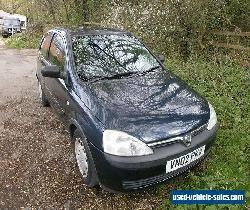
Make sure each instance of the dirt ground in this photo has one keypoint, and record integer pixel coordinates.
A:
(37, 168)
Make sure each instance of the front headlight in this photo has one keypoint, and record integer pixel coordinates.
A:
(213, 118)
(122, 144)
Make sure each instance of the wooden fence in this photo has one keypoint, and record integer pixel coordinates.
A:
(236, 43)
(229, 45)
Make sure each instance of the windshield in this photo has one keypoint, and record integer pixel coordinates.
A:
(14, 22)
(108, 55)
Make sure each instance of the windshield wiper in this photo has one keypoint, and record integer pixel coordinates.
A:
(149, 70)
(115, 76)
(121, 75)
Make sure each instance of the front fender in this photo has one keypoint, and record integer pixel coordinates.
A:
(92, 132)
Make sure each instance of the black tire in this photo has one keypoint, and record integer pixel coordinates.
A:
(43, 99)
(91, 178)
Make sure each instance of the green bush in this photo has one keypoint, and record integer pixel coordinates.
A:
(21, 41)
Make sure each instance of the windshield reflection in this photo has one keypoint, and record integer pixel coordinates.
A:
(108, 55)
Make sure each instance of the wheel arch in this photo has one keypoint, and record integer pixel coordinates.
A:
(90, 133)
(73, 126)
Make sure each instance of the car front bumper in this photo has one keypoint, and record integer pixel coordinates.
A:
(8, 31)
(132, 173)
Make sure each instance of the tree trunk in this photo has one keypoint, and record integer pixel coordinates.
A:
(66, 10)
(85, 10)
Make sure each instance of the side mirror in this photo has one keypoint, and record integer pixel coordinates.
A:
(161, 58)
(52, 71)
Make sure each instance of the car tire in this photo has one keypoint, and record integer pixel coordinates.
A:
(84, 159)
(43, 99)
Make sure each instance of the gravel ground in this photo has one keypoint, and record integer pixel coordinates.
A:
(37, 168)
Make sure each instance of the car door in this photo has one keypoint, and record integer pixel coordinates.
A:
(57, 88)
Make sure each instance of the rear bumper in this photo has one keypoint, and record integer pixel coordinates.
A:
(132, 173)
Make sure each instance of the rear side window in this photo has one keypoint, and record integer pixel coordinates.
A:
(57, 52)
(44, 49)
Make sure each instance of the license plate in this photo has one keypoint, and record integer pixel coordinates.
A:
(184, 160)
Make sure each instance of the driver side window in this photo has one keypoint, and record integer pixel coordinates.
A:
(57, 52)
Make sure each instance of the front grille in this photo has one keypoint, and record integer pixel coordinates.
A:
(178, 138)
(137, 184)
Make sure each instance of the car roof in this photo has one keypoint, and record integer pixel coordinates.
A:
(89, 30)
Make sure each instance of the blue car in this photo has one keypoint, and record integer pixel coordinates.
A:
(132, 122)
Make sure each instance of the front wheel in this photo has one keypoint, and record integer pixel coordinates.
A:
(44, 101)
(84, 160)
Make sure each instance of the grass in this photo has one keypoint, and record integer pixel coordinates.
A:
(22, 41)
(227, 87)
